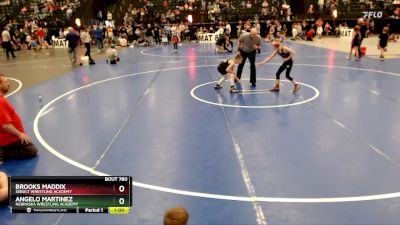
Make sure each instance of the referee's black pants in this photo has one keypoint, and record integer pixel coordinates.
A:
(252, 59)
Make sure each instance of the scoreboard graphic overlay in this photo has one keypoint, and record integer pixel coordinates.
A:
(84, 194)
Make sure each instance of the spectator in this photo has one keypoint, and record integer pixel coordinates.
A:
(228, 29)
(294, 31)
(157, 34)
(310, 34)
(87, 40)
(129, 30)
(99, 37)
(112, 55)
(239, 28)
(300, 32)
(34, 44)
(327, 28)
(221, 44)
(165, 4)
(150, 34)
(319, 24)
(6, 37)
(123, 42)
(73, 42)
(264, 4)
(40, 34)
(100, 16)
(248, 5)
(257, 26)
(109, 16)
(321, 5)
(69, 13)
(175, 41)
(14, 143)
(310, 11)
(176, 216)
(142, 40)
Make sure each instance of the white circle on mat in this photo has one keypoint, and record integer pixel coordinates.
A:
(192, 92)
(17, 89)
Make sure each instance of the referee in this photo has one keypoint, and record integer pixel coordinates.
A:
(247, 45)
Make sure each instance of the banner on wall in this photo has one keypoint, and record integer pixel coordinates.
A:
(60, 43)
(208, 37)
(346, 33)
(372, 14)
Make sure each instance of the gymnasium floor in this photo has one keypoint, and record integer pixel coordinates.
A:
(326, 155)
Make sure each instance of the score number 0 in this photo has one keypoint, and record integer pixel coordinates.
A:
(121, 189)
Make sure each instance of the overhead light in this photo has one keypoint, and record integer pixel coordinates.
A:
(78, 22)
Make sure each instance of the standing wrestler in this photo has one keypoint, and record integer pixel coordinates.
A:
(382, 43)
(355, 43)
(287, 56)
(247, 45)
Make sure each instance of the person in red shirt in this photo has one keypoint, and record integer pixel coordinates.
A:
(175, 40)
(41, 34)
(14, 143)
(310, 34)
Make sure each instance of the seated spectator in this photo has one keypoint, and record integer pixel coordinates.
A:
(3, 188)
(301, 33)
(248, 5)
(176, 216)
(142, 41)
(123, 42)
(112, 55)
(310, 34)
(327, 28)
(34, 45)
(264, 4)
(228, 45)
(310, 11)
(271, 33)
(223, 44)
(14, 143)
(337, 30)
(243, 4)
(294, 31)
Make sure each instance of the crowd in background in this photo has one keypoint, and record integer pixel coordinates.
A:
(36, 34)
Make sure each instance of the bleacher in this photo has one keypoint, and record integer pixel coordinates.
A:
(9, 9)
(22, 10)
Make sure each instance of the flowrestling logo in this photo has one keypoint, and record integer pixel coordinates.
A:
(373, 14)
